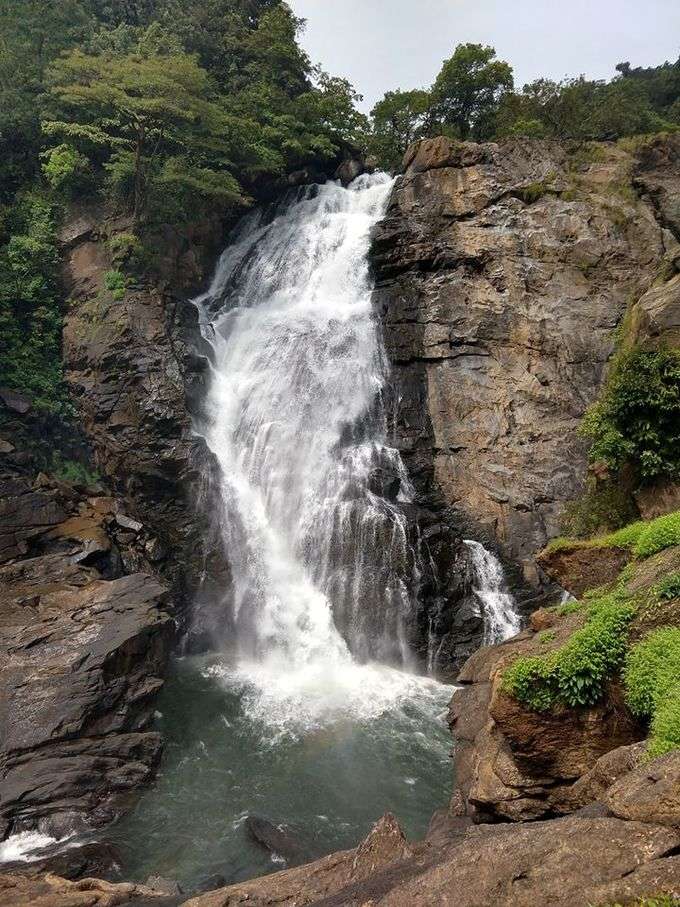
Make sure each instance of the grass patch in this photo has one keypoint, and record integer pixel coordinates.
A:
(575, 675)
(652, 683)
(641, 538)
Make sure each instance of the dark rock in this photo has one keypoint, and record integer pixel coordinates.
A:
(93, 860)
(349, 170)
(210, 884)
(279, 840)
(82, 655)
(18, 403)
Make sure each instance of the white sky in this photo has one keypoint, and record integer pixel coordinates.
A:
(385, 44)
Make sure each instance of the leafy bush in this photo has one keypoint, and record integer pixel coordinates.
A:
(127, 251)
(115, 283)
(652, 683)
(65, 169)
(669, 587)
(72, 471)
(30, 303)
(575, 674)
(637, 421)
(661, 533)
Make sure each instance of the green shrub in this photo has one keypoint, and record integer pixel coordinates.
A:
(127, 251)
(65, 169)
(30, 303)
(115, 283)
(669, 587)
(72, 471)
(661, 533)
(637, 421)
(599, 509)
(575, 675)
(652, 682)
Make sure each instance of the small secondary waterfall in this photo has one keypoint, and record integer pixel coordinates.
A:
(501, 620)
(323, 575)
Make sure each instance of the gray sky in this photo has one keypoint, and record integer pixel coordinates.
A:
(385, 44)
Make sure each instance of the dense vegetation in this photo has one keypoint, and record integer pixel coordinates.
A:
(636, 423)
(576, 673)
(474, 97)
(652, 682)
(153, 107)
(157, 107)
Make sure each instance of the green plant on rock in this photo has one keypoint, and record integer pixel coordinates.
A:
(642, 538)
(127, 251)
(115, 283)
(575, 675)
(72, 471)
(637, 421)
(669, 587)
(652, 682)
(663, 532)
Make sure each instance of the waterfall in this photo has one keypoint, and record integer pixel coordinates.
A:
(323, 575)
(501, 620)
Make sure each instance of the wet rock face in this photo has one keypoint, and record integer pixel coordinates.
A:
(135, 367)
(83, 649)
(502, 272)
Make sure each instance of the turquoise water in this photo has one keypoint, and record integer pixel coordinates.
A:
(331, 777)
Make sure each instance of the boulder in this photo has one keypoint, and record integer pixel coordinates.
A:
(278, 840)
(648, 793)
(578, 568)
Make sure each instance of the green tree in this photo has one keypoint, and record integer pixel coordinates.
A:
(148, 120)
(399, 119)
(468, 89)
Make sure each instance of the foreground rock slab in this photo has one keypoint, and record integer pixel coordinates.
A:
(489, 866)
(52, 891)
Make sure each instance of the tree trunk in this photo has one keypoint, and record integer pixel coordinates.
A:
(139, 176)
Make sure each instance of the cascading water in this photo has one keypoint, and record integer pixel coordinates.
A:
(304, 714)
(323, 576)
(501, 620)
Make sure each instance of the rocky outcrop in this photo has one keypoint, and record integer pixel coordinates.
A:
(134, 367)
(503, 272)
(512, 763)
(576, 567)
(506, 865)
(52, 891)
(83, 649)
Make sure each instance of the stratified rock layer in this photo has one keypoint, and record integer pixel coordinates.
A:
(503, 272)
(134, 368)
(83, 650)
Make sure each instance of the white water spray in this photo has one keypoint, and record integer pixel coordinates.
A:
(323, 575)
(501, 620)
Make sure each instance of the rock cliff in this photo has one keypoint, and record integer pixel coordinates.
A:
(85, 635)
(503, 272)
(134, 367)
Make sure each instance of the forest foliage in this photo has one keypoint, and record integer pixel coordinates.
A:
(474, 97)
(160, 108)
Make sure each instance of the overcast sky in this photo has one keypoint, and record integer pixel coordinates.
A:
(385, 44)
